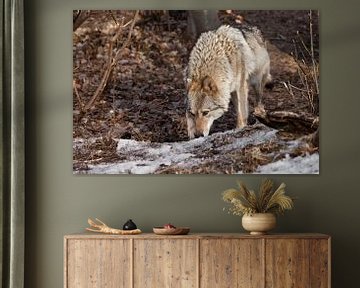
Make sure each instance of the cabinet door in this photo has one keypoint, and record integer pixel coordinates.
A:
(98, 263)
(167, 263)
(297, 263)
(287, 263)
(231, 263)
(320, 263)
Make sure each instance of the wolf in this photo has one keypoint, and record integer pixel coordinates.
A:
(222, 65)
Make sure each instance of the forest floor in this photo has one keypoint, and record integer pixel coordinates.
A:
(138, 125)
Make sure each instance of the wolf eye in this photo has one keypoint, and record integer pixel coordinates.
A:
(205, 113)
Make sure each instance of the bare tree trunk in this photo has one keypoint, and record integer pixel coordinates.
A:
(79, 17)
(200, 21)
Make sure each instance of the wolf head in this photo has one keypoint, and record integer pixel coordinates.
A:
(204, 105)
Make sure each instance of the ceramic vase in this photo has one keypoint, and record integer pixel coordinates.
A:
(259, 223)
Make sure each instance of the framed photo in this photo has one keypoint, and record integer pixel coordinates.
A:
(196, 92)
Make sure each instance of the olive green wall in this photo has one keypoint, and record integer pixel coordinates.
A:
(59, 203)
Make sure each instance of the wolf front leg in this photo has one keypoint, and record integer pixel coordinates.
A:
(240, 100)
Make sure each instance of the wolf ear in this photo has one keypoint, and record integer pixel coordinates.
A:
(208, 85)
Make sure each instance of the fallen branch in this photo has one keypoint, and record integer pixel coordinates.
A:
(101, 227)
(113, 60)
(289, 121)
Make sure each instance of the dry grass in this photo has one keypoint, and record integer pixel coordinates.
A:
(245, 201)
(307, 70)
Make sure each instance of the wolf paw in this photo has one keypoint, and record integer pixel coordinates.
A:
(259, 110)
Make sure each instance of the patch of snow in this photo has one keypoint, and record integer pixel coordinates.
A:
(138, 166)
(147, 157)
(131, 167)
(299, 165)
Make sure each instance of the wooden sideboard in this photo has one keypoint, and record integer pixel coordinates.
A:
(197, 260)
